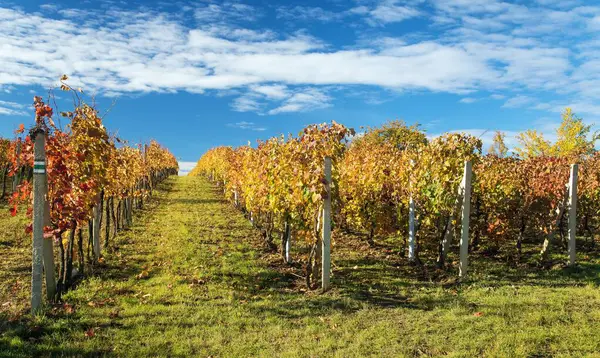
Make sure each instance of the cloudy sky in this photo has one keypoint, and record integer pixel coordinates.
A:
(195, 74)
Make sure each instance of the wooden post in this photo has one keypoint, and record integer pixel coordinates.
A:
(466, 213)
(39, 208)
(326, 242)
(572, 212)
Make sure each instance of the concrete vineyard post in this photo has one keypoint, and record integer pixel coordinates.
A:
(449, 233)
(326, 249)
(572, 212)
(288, 243)
(412, 225)
(39, 208)
(96, 234)
(412, 237)
(466, 213)
(48, 247)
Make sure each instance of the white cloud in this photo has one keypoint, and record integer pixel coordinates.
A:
(594, 23)
(379, 13)
(12, 109)
(468, 100)
(49, 7)
(385, 12)
(308, 13)
(247, 125)
(227, 11)
(246, 103)
(488, 45)
(389, 11)
(186, 167)
(272, 91)
(518, 101)
(308, 100)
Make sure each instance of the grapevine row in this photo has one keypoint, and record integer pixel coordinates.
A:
(94, 180)
(378, 175)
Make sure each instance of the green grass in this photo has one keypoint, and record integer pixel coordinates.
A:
(192, 279)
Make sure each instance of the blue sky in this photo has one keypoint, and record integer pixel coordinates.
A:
(196, 74)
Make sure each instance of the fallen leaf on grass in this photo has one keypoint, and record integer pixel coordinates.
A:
(69, 309)
(197, 281)
(478, 314)
(90, 333)
(143, 274)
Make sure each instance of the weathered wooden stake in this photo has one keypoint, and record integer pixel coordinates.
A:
(466, 213)
(572, 213)
(326, 242)
(39, 207)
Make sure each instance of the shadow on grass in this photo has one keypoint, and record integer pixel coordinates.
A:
(22, 338)
(366, 277)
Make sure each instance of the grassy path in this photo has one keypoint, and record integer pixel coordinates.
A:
(190, 279)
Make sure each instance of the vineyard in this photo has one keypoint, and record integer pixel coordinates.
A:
(72, 183)
(385, 242)
(393, 183)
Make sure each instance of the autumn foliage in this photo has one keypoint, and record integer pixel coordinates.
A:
(515, 198)
(83, 161)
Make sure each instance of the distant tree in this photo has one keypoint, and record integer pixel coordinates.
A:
(397, 133)
(573, 138)
(532, 144)
(498, 147)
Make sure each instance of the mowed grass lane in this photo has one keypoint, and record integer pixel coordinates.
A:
(191, 279)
